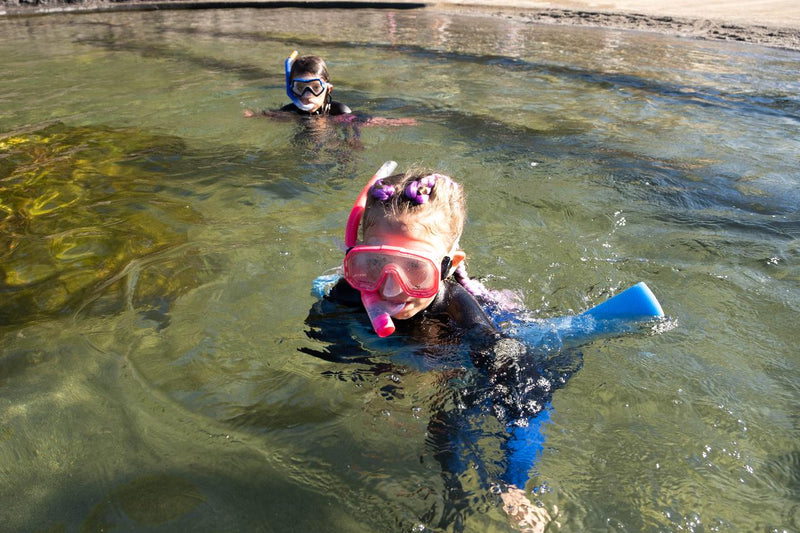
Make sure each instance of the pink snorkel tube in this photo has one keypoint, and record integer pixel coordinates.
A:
(379, 311)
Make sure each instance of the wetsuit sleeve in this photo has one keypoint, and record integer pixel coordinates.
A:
(330, 321)
(338, 108)
(343, 293)
(464, 310)
(517, 391)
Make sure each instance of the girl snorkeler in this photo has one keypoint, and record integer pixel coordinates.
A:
(408, 266)
(310, 90)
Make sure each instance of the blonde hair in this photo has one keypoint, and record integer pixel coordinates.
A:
(440, 208)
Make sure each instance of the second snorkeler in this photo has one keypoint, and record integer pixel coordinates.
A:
(309, 87)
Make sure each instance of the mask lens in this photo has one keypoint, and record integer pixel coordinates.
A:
(366, 269)
(300, 86)
(418, 274)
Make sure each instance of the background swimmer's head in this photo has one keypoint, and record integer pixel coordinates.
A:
(309, 67)
(418, 197)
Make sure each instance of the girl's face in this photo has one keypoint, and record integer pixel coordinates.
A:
(414, 237)
(308, 97)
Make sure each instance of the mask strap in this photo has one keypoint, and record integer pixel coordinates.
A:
(447, 264)
(447, 261)
(354, 220)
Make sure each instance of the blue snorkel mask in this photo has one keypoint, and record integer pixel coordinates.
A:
(304, 85)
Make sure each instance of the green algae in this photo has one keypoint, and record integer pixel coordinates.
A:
(80, 208)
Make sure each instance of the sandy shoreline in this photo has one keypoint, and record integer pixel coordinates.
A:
(762, 31)
(774, 23)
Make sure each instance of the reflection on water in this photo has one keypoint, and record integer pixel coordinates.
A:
(157, 251)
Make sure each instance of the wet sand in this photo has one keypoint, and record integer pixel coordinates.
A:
(774, 23)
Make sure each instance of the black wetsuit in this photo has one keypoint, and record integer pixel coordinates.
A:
(516, 380)
(492, 373)
(329, 108)
(453, 306)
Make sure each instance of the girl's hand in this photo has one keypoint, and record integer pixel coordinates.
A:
(380, 121)
(527, 516)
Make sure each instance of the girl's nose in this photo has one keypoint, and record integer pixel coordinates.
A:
(391, 287)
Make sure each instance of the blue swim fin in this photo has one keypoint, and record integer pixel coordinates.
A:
(635, 303)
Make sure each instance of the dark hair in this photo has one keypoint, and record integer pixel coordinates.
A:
(312, 64)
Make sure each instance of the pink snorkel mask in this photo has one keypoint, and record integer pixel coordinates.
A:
(379, 311)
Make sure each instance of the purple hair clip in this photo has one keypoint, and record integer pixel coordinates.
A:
(381, 191)
(418, 191)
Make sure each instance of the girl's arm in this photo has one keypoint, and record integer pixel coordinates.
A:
(278, 115)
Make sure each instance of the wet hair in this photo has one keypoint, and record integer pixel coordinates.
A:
(312, 65)
(440, 208)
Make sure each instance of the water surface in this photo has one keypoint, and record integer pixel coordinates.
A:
(158, 251)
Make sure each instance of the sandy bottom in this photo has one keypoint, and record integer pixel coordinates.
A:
(774, 23)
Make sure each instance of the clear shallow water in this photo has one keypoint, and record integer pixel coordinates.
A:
(158, 251)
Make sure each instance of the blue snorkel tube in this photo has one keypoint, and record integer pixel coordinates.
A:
(295, 100)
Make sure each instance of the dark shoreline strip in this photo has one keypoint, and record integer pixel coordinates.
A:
(94, 7)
